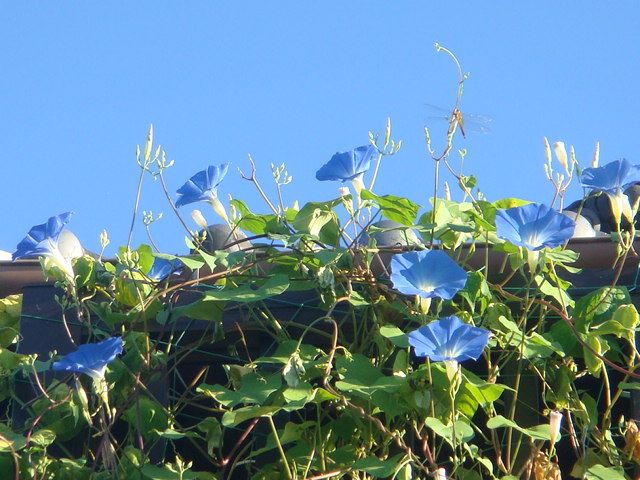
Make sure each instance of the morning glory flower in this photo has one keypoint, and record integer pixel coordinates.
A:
(534, 226)
(449, 340)
(349, 165)
(427, 273)
(50, 240)
(202, 186)
(162, 268)
(613, 179)
(90, 358)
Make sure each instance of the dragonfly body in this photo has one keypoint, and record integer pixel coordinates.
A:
(466, 122)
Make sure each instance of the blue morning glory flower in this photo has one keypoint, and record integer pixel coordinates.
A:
(427, 273)
(449, 340)
(202, 186)
(43, 241)
(534, 226)
(612, 178)
(90, 358)
(162, 268)
(347, 165)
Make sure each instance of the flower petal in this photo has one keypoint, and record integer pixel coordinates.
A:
(347, 165)
(202, 186)
(449, 339)
(90, 358)
(533, 226)
(427, 273)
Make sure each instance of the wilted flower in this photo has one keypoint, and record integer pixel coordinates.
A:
(613, 179)
(162, 268)
(449, 340)
(427, 273)
(50, 240)
(202, 186)
(534, 226)
(349, 165)
(90, 358)
(632, 440)
(544, 468)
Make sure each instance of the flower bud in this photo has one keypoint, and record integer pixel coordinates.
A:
(344, 191)
(197, 217)
(104, 239)
(596, 156)
(218, 207)
(441, 474)
(561, 155)
(555, 421)
(547, 150)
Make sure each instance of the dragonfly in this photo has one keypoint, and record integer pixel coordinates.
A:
(467, 122)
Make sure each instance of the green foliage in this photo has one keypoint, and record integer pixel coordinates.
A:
(291, 357)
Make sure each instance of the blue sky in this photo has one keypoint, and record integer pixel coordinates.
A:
(295, 82)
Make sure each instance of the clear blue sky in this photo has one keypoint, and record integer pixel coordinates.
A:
(295, 82)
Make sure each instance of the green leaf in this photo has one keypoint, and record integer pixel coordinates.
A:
(382, 384)
(313, 216)
(254, 389)
(191, 262)
(172, 434)
(146, 416)
(593, 362)
(627, 316)
(539, 432)
(378, 468)
(598, 306)
(9, 440)
(463, 431)
(210, 426)
(600, 472)
(248, 293)
(43, 437)
(506, 203)
(10, 310)
(236, 417)
(397, 209)
(258, 224)
(395, 335)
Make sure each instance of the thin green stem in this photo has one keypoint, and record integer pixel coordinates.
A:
(283, 456)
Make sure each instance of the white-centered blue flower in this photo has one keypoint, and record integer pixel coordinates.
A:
(203, 186)
(52, 241)
(427, 273)
(449, 339)
(91, 358)
(534, 226)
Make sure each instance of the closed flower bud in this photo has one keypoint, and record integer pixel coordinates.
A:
(547, 150)
(596, 156)
(555, 421)
(104, 239)
(197, 217)
(561, 155)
